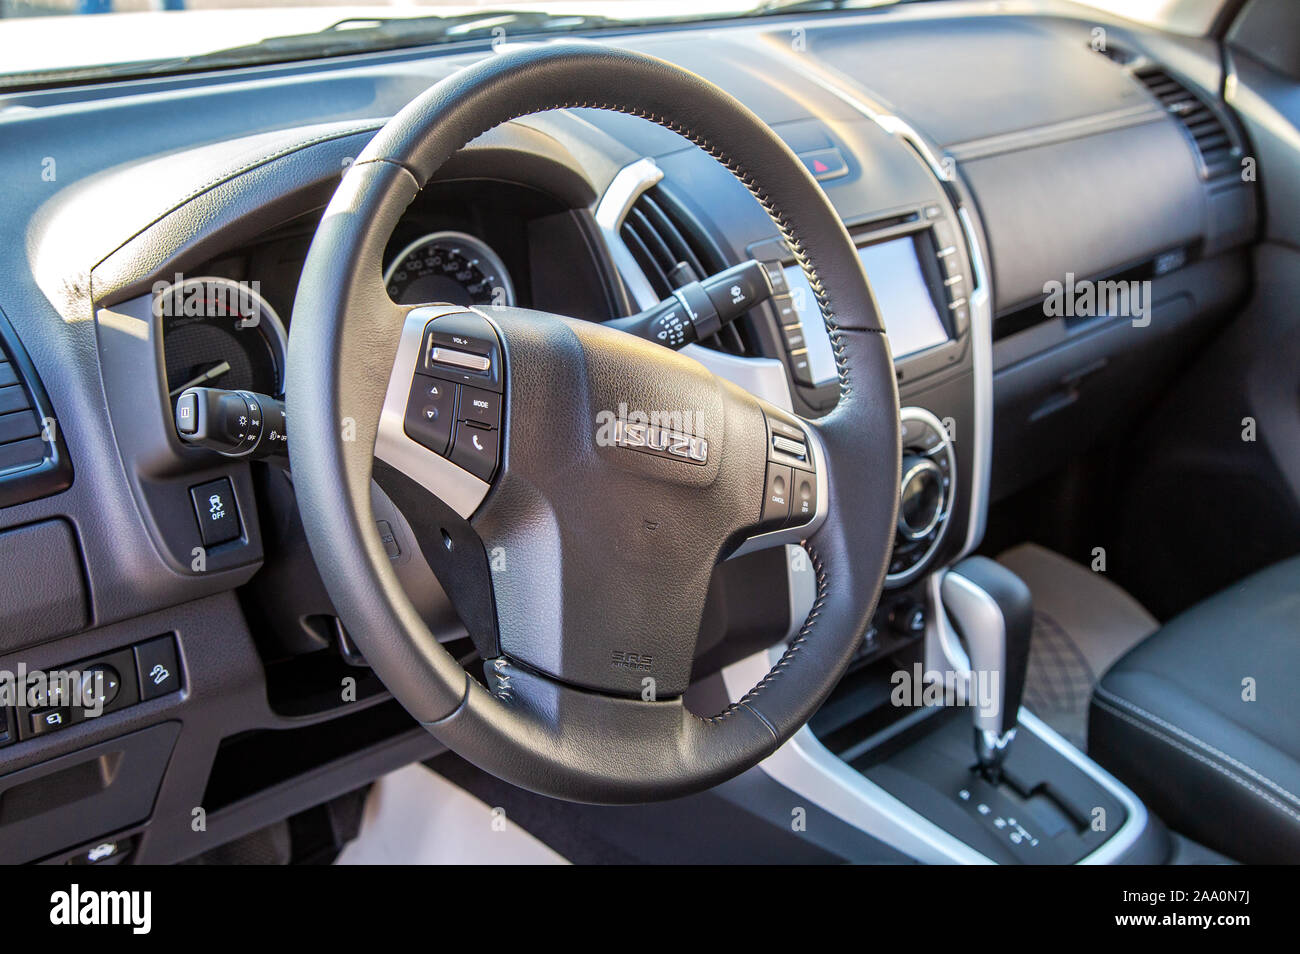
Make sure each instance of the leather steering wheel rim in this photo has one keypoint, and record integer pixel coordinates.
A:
(520, 724)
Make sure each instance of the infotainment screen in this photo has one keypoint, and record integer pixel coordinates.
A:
(906, 305)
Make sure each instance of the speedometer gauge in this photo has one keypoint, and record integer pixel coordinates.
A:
(220, 333)
(449, 267)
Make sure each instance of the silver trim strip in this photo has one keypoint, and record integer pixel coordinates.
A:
(809, 769)
(912, 413)
(458, 489)
(1134, 825)
(459, 359)
(762, 377)
(480, 247)
(981, 313)
(621, 194)
(793, 535)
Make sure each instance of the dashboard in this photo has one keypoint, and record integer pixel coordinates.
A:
(168, 256)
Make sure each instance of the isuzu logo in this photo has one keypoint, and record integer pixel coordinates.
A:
(661, 441)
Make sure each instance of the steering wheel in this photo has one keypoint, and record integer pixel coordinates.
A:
(575, 538)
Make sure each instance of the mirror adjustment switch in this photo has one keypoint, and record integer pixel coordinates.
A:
(50, 720)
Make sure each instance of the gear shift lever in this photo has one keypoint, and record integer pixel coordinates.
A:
(992, 610)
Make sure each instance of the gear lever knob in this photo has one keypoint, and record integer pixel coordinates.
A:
(992, 610)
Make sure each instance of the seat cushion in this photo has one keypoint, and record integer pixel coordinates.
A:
(1202, 719)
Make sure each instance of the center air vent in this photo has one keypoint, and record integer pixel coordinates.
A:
(1214, 143)
(659, 242)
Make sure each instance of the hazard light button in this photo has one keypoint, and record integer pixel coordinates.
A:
(825, 163)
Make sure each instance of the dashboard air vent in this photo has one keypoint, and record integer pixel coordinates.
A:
(1213, 142)
(33, 460)
(659, 242)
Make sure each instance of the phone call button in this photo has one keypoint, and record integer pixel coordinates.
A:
(475, 449)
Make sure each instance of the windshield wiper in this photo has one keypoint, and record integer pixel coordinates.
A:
(351, 35)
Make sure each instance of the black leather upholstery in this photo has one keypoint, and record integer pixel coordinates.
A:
(1202, 719)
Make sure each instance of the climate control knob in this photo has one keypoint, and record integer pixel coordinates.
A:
(921, 499)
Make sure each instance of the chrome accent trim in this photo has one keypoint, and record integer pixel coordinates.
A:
(981, 324)
(458, 489)
(277, 339)
(981, 312)
(943, 648)
(912, 413)
(787, 446)
(806, 767)
(984, 633)
(459, 359)
(481, 247)
(1113, 848)
(809, 769)
(762, 377)
(804, 530)
(906, 529)
(621, 194)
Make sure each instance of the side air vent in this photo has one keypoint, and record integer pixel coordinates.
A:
(659, 242)
(1214, 144)
(33, 459)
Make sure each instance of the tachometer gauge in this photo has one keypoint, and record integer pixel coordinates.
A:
(449, 267)
(220, 333)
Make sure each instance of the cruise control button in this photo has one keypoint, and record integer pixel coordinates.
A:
(475, 449)
(800, 367)
(794, 339)
(803, 500)
(429, 412)
(776, 274)
(776, 495)
(479, 406)
(785, 310)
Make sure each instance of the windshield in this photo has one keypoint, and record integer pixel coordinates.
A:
(48, 42)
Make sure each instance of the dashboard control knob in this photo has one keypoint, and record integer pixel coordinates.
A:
(921, 497)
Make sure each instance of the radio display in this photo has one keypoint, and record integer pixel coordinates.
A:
(907, 305)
